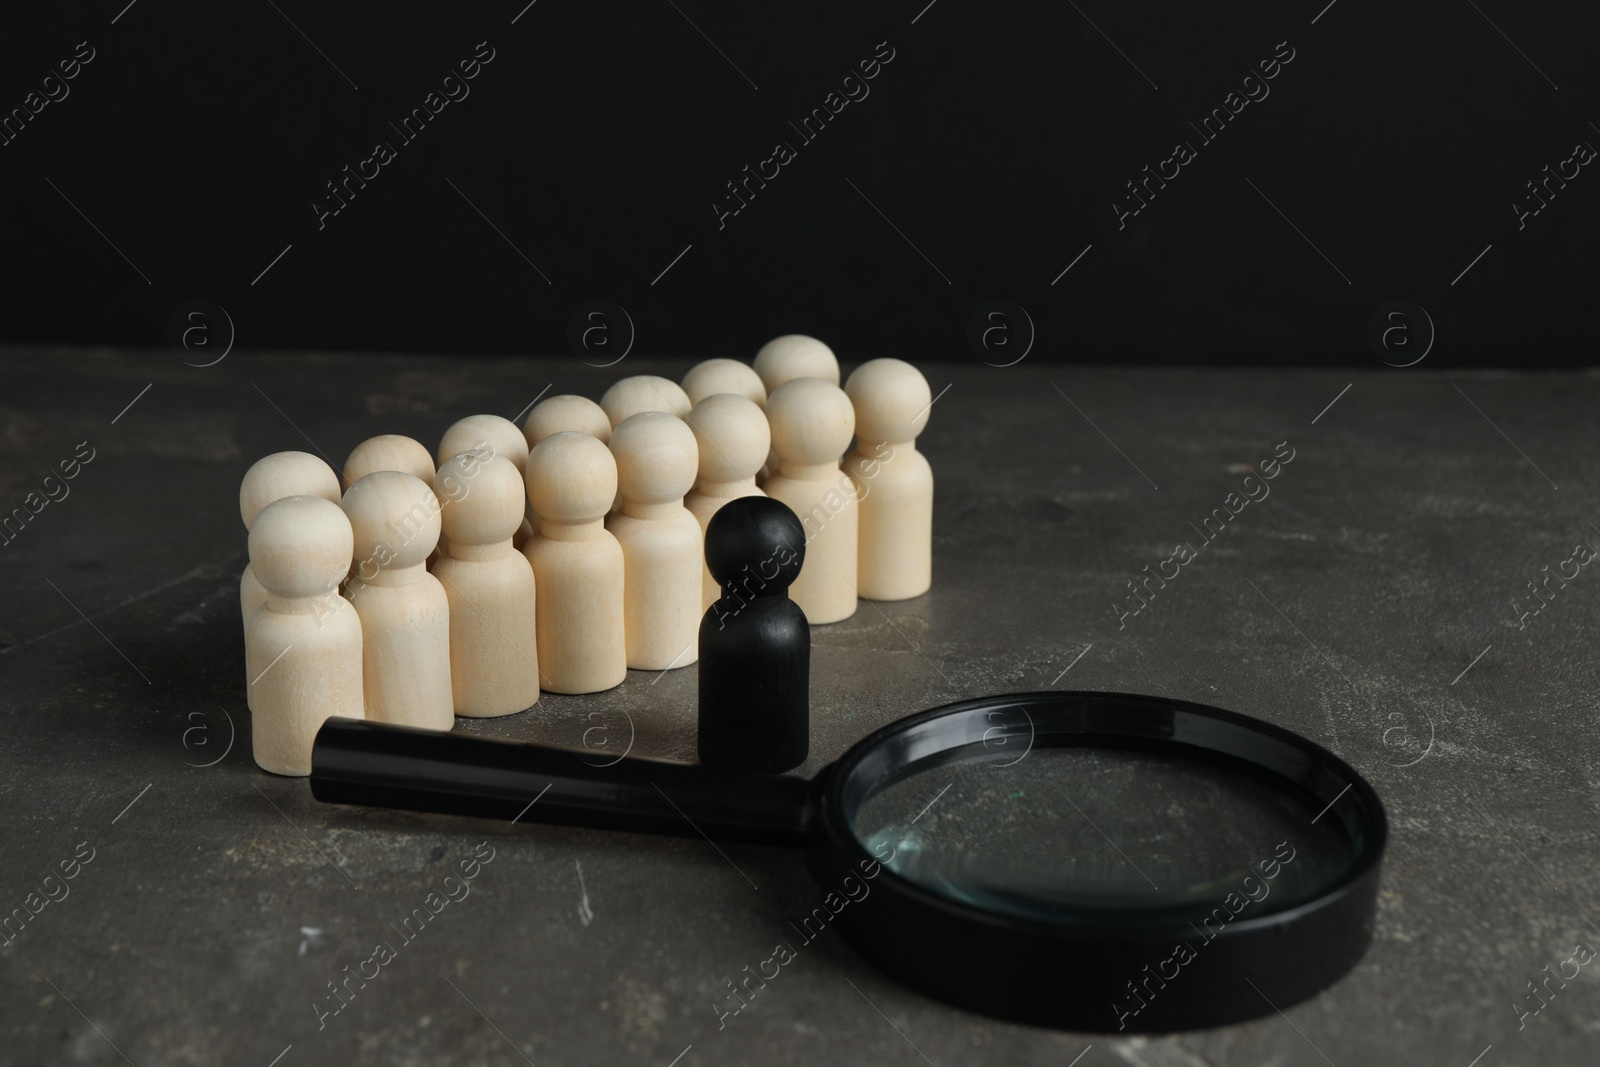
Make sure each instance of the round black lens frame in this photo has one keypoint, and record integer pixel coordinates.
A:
(1118, 975)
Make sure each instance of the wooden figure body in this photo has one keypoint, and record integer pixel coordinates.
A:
(405, 615)
(303, 645)
(494, 655)
(894, 483)
(755, 646)
(577, 565)
(733, 439)
(272, 478)
(656, 459)
(812, 422)
(715, 376)
(644, 392)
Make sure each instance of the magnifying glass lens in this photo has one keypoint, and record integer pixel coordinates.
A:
(1073, 834)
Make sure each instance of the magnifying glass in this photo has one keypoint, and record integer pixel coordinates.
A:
(1075, 860)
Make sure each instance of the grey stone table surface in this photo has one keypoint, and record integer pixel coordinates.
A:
(1377, 601)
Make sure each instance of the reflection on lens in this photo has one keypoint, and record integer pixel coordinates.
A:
(1065, 831)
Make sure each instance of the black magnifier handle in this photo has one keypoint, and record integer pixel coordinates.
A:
(387, 766)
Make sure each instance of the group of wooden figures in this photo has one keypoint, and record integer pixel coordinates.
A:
(558, 555)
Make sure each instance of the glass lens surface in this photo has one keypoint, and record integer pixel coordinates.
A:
(1063, 832)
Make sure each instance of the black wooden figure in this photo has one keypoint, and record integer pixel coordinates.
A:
(755, 646)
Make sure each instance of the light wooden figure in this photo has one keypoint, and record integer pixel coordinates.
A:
(894, 483)
(644, 392)
(405, 615)
(303, 645)
(556, 414)
(661, 542)
(724, 376)
(794, 355)
(783, 359)
(577, 565)
(812, 422)
(389, 452)
(500, 436)
(272, 478)
(494, 656)
(733, 440)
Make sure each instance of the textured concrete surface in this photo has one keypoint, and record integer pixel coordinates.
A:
(1367, 602)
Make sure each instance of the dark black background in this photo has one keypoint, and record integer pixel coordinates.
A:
(996, 141)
